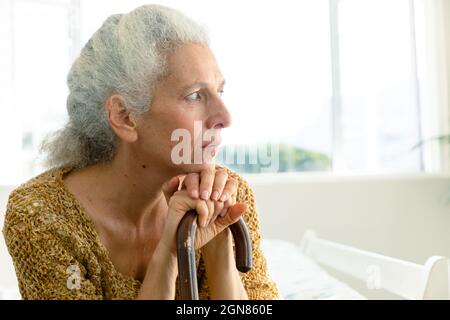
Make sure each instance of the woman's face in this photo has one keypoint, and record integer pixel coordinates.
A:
(186, 113)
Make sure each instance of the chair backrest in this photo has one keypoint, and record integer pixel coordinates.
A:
(406, 279)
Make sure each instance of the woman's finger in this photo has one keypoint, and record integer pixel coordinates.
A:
(230, 188)
(203, 213)
(170, 187)
(231, 201)
(219, 183)
(218, 209)
(191, 182)
(210, 204)
(206, 182)
(224, 211)
(232, 215)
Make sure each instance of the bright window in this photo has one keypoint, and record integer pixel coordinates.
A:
(333, 84)
(379, 105)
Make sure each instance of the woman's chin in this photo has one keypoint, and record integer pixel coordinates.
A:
(206, 160)
(197, 167)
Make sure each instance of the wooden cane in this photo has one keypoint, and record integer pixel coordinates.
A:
(187, 269)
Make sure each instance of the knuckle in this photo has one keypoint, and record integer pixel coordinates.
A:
(173, 200)
(218, 205)
(231, 182)
(192, 178)
(207, 174)
(221, 172)
(177, 194)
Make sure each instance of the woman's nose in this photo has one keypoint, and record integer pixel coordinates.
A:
(220, 116)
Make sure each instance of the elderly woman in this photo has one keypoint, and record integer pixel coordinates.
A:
(101, 222)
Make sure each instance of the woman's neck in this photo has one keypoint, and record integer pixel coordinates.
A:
(130, 191)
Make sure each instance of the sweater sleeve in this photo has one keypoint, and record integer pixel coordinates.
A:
(45, 267)
(257, 281)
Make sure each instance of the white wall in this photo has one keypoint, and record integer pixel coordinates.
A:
(407, 217)
(401, 216)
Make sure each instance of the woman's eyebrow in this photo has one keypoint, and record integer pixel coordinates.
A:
(201, 85)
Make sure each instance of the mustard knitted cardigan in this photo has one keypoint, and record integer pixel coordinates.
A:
(57, 253)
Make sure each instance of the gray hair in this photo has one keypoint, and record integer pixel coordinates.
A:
(125, 56)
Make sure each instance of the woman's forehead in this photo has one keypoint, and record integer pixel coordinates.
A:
(191, 64)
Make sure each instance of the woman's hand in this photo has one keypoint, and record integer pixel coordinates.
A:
(212, 184)
(216, 213)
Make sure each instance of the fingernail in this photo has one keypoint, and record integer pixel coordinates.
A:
(223, 197)
(215, 195)
(205, 195)
(194, 194)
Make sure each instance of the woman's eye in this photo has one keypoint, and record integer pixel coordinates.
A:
(194, 96)
(220, 92)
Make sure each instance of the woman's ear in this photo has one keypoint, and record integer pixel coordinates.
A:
(120, 119)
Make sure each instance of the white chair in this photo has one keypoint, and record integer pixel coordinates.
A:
(406, 279)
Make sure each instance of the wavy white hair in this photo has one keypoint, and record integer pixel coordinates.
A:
(125, 56)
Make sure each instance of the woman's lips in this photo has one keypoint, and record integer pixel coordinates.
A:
(212, 149)
(214, 143)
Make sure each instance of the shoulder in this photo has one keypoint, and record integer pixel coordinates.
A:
(34, 203)
(42, 217)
